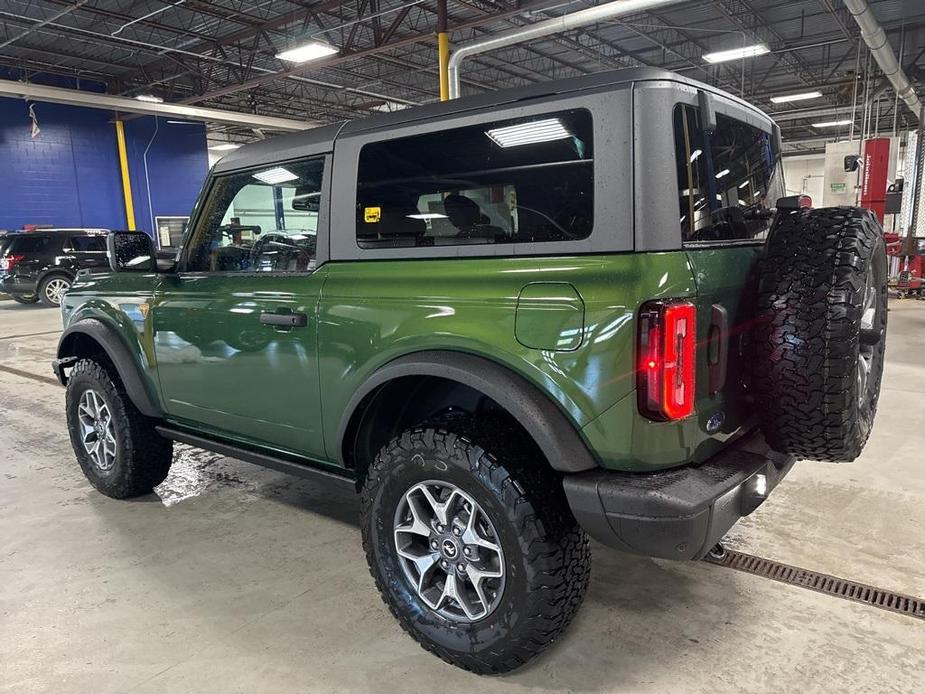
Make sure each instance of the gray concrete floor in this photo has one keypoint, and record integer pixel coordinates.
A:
(237, 579)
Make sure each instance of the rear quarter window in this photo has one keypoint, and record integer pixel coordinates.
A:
(29, 244)
(526, 180)
(727, 180)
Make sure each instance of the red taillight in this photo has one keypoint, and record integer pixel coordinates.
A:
(8, 263)
(667, 344)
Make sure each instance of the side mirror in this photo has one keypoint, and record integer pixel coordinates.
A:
(130, 251)
(852, 162)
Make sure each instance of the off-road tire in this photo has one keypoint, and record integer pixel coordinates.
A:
(24, 298)
(546, 554)
(808, 340)
(44, 293)
(142, 458)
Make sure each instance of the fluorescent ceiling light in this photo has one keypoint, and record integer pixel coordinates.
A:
(545, 130)
(742, 185)
(803, 96)
(274, 176)
(724, 172)
(697, 153)
(150, 98)
(389, 107)
(832, 123)
(225, 147)
(183, 122)
(309, 51)
(736, 53)
(432, 215)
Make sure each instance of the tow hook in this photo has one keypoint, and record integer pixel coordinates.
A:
(59, 365)
(718, 552)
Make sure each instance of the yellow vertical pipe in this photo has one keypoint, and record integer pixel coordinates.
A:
(126, 181)
(443, 50)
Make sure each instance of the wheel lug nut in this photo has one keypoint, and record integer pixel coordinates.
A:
(457, 531)
(444, 564)
(433, 544)
(467, 551)
(440, 528)
(461, 567)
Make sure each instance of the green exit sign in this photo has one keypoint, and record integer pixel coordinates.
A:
(838, 187)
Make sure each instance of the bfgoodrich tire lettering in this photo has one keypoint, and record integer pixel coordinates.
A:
(820, 341)
(142, 457)
(546, 555)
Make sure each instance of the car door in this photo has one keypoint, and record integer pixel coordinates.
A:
(235, 330)
(728, 177)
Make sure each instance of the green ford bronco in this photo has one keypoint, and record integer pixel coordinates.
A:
(513, 321)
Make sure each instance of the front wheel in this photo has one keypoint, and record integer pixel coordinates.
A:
(117, 447)
(473, 547)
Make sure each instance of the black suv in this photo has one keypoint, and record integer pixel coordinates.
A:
(41, 265)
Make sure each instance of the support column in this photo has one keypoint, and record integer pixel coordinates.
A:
(126, 181)
(443, 50)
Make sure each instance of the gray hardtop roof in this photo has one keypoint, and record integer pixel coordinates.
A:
(318, 140)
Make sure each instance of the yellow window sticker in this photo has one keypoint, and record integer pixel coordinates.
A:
(371, 215)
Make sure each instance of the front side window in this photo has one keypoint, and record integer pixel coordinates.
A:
(262, 220)
(88, 244)
(728, 180)
(524, 180)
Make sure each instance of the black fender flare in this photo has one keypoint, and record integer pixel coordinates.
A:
(552, 431)
(119, 353)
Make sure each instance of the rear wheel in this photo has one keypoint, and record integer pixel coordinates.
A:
(821, 337)
(473, 547)
(24, 298)
(53, 288)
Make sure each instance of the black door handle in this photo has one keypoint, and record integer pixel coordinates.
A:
(718, 348)
(284, 320)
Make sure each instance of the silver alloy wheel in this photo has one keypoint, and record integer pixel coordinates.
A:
(870, 335)
(449, 551)
(55, 289)
(96, 430)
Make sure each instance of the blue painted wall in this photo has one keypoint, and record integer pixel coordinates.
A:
(177, 163)
(69, 175)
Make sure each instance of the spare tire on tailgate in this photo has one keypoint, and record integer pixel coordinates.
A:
(820, 336)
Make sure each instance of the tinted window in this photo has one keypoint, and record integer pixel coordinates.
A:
(29, 244)
(513, 181)
(263, 220)
(89, 243)
(727, 180)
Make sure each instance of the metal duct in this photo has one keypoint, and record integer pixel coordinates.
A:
(880, 48)
(76, 97)
(544, 28)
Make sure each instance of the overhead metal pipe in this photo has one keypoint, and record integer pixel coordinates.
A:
(545, 28)
(880, 49)
(108, 102)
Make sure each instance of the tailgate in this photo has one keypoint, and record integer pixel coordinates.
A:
(727, 282)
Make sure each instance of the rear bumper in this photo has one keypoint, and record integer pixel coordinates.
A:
(678, 513)
(11, 284)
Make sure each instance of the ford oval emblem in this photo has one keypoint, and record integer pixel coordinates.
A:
(715, 422)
